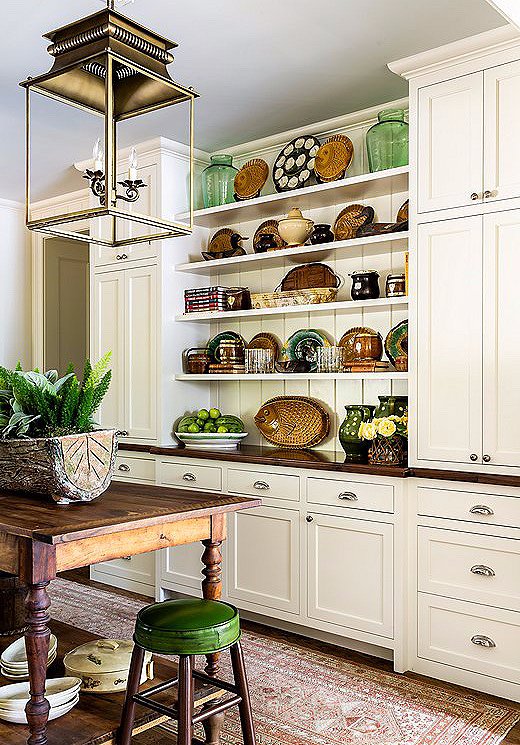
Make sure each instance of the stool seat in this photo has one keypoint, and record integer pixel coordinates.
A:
(187, 627)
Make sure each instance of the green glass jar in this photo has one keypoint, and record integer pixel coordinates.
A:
(391, 406)
(387, 141)
(356, 449)
(218, 181)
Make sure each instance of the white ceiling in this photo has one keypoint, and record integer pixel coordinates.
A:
(260, 67)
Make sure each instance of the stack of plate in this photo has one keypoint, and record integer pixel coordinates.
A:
(211, 440)
(61, 693)
(13, 662)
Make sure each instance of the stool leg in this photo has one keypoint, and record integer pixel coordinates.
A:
(246, 714)
(185, 700)
(128, 714)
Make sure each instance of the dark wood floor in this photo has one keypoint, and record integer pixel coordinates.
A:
(159, 737)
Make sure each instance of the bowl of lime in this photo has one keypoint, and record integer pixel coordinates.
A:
(209, 429)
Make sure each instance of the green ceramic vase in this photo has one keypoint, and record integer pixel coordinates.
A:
(356, 449)
(391, 406)
(387, 141)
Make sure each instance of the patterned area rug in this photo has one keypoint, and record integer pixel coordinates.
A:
(303, 697)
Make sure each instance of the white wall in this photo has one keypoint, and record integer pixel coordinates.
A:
(15, 286)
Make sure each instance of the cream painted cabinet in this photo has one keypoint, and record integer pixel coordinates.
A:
(501, 350)
(501, 141)
(350, 573)
(450, 140)
(449, 333)
(125, 322)
(263, 558)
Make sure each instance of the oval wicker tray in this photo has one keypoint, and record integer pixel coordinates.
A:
(312, 296)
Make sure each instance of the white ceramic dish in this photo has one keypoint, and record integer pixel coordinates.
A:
(21, 673)
(15, 656)
(59, 691)
(103, 665)
(211, 440)
(19, 717)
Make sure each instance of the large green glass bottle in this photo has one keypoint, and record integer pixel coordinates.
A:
(218, 181)
(387, 141)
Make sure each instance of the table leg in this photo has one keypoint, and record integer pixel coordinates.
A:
(37, 638)
(212, 590)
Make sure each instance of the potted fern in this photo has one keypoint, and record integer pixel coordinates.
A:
(49, 441)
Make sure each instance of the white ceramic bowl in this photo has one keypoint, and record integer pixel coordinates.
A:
(211, 440)
(59, 691)
(22, 673)
(15, 656)
(19, 717)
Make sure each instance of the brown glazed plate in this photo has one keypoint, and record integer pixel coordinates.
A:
(349, 337)
(333, 158)
(350, 219)
(265, 340)
(250, 179)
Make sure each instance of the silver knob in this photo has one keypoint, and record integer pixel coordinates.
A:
(122, 433)
(121, 257)
(189, 477)
(488, 194)
(473, 457)
(481, 509)
(309, 518)
(261, 485)
(482, 570)
(483, 641)
(486, 458)
(475, 196)
(349, 496)
(124, 467)
(126, 558)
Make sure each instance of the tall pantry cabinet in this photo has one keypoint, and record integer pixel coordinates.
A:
(465, 306)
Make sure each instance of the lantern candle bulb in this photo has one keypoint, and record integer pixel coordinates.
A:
(98, 155)
(132, 165)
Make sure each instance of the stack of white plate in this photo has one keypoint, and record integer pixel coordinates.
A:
(13, 662)
(61, 693)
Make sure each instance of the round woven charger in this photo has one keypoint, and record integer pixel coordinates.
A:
(333, 158)
(350, 219)
(251, 178)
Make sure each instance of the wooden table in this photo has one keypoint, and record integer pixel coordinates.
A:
(39, 538)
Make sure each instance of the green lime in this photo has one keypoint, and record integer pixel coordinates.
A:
(200, 422)
(209, 427)
(203, 414)
(214, 413)
(193, 428)
(223, 430)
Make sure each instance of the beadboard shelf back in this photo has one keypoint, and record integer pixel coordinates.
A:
(299, 254)
(364, 186)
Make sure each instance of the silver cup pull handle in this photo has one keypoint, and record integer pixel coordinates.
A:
(482, 570)
(189, 477)
(261, 485)
(481, 509)
(483, 641)
(348, 496)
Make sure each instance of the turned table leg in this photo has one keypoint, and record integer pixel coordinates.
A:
(212, 590)
(37, 638)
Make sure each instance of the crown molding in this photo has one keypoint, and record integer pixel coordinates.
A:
(325, 128)
(464, 50)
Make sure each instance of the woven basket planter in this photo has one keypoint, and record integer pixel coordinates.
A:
(387, 451)
(74, 468)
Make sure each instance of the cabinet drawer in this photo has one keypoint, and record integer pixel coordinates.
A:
(189, 475)
(479, 568)
(134, 469)
(492, 509)
(138, 568)
(353, 494)
(469, 636)
(277, 485)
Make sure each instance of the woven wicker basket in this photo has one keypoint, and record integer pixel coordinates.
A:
(387, 451)
(312, 296)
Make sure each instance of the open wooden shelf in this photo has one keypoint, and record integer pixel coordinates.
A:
(276, 259)
(365, 186)
(231, 378)
(345, 305)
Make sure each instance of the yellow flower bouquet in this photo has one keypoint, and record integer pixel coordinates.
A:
(387, 435)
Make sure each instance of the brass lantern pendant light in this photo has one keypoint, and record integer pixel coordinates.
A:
(108, 66)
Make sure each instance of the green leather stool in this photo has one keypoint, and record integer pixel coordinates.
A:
(187, 628)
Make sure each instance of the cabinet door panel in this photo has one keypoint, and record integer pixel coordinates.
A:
(108, 331)
(141, 340)
(350, 567)
(449, 334)
(501, 141)
(501, 348)
(450, 134)
(182, 565)
(263, 558)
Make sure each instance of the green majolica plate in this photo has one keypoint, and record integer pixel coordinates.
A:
(302, 345)
(396, 342)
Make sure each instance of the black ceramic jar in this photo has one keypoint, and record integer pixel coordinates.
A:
(265, 242)
(322, 233)
(365, 285)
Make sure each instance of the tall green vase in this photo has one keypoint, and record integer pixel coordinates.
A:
(391, 406)
(218, 181)
(356, 449)
(387, 141)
